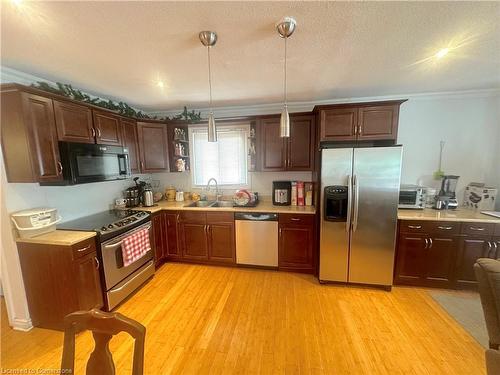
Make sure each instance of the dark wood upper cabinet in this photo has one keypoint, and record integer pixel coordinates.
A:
(130, 141)
(338, 124)
(300, 148)
(108, 128)
(74, 122)
(29, 137)
(375, 121)
(296, 243)
(378, 122)
(295, 153)
(153, 147)
(272, 146)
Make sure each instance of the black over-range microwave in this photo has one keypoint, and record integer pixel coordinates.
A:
(85, 162)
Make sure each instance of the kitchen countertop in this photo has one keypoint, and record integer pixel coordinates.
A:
(59, 237)
(460, 214)
(263, 206)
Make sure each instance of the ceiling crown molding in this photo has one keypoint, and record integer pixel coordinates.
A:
(307, 106)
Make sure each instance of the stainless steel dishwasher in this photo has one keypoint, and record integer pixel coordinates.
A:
(257, 239)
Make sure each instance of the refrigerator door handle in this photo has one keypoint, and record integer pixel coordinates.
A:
(356, 203)
(349, 203)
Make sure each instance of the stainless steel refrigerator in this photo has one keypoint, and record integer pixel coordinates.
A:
(359, 203)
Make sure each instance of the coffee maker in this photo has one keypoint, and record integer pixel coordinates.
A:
(282, 193)
(446, 198)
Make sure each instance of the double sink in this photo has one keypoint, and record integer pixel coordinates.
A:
(215, 204)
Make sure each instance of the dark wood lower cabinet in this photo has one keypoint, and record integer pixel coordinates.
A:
(296, 243)
(221, 237)
(194, 242)
(439, 261)
(159, 243)
(409, 269)
(471, 249)
(59, 279)
(173, 250)
(442, 254)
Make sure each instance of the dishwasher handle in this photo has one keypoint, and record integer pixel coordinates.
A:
(256, 216)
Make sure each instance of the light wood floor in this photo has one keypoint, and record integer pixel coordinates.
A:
(203, 319)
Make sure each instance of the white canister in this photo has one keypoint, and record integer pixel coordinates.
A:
(179, 196)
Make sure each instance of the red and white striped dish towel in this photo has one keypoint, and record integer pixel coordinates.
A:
(135, 246)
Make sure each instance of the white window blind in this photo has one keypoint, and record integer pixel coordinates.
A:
(225, 160)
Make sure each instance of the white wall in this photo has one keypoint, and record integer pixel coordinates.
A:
(470, 126)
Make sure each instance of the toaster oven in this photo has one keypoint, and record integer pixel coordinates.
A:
(412, 196)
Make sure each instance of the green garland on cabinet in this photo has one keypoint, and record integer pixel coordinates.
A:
(121, 107)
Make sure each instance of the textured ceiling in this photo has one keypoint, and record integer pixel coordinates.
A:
(339, 50)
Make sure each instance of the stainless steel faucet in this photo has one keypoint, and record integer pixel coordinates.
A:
(216, 188)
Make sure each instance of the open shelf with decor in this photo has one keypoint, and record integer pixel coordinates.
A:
(178, 139)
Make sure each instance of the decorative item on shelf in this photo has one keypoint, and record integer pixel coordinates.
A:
(179, 134)
(170, 193)
(285, 27)
(180, 164)
(122, 108)
(208, 39)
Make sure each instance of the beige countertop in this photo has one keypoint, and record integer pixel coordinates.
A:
(59, 237)
(263, 206)
(460, 214)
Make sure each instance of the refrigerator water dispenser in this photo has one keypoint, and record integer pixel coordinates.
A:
(336, 203)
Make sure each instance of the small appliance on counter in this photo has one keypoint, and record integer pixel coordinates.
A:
(147, 196)
(35, 221)
(282, 193)
(480, 197)
(446, 199)
(412, 196)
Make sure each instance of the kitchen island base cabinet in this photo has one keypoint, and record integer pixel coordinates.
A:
(296, 243)
(59, 280)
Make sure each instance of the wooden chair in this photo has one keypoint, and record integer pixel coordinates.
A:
(103, 326)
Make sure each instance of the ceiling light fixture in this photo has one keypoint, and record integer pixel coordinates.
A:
(208, 39)
(285, 27)
(442, 53)
(160, 84)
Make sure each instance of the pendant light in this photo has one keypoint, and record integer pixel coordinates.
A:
(285, 27)
(208, 39)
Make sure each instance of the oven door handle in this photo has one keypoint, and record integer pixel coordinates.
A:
(118, 243)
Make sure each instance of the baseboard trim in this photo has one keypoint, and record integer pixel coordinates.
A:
(24, 325)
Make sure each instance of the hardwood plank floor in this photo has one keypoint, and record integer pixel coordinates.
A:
(216, 320)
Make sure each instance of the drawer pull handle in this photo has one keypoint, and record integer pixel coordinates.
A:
(476, 228)
(83, 249)
(444, 228)
(426, 243)
(294, 219)
(415, 226)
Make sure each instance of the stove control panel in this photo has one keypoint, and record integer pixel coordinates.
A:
(131, 218)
